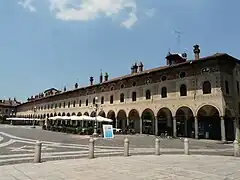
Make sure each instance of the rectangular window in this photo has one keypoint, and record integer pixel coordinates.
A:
(237, 87)
(134, 96)
(111, 99)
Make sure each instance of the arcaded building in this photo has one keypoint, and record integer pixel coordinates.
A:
(8, 108)
(197, 98)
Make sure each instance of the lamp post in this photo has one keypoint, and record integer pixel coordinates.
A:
(95, 106)
(34, 111)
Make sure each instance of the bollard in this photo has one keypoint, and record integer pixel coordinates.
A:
(157, 146)
(236, 148)
(91, 148)
(186, 146)
(38, 149)
(126, 147)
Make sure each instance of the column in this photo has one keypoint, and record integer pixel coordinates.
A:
(196, 127)
(116, 125)
(127, 121)
(236, 128)
(141, 125)
(156, 126)
(174, 127)
(223, 132)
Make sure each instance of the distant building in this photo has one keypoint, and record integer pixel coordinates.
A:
(8, 108)
(193, 98)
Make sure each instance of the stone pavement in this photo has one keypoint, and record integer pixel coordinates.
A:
(163, 167)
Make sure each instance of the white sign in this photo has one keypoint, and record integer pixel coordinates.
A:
(107, 131)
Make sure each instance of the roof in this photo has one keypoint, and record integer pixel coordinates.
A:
(51, 89)
(143, 73)
(9, 103)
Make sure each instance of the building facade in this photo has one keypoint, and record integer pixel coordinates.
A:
(197, 98)
(8, 108)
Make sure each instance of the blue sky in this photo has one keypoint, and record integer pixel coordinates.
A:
(53, 43)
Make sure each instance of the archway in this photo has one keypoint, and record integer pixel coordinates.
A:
(185, 122)
(230, 126)
(209, 124)
(79, 114)
(51, 115)
(59, 114)
(111, 115)
(102, 114)
(165, 123)
(55, 114)
(86, 123)
(73, 114)
(122, 119)
(93, 114)
(147, 122)
(68, 114)
(134, 120)
(86, 114)
(63, 114)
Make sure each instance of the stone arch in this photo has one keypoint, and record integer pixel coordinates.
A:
(51, 115)
(59, 114)
(164, 122)
(211, 106)
(147, 121)
(63, 114)
(68, 114)
(47, 115)
(86, 114)
(79, 114)
(111, 115)
(55, 114)
(41, 116)
(185, 122)
(102, 114)
(209, 122)
(44, 116)
(122, 119)
(134, 120)
(73, 114)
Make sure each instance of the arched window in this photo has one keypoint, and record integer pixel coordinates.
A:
(148, 94)
(60, 105)
(121, 97)
(80, 103)
(164, 92)
(226, 87)
(102, 100)
(183, 90)
(86, 102)
(206, 87)
(69, 104)
(74, 103)
(94, 100)
(64, 104)
(111, 99)
(134, 96)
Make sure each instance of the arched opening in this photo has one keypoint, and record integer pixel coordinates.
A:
(44, 116)
(206, 87)
(79, 114)
(51, 115)
(134, 120)
(148, 121)
(165, 124)
(63, 114)
(148, 94)
(102, 114)
(111, 115)
(121, 97)
(73, 114)
(183, 90)
(229, 125)
(122, 119)
(59, 114)
(185, 122)
(93, 114)
(86, 114)
(55, 114)
(164, 92)
(209, 125)
(68, 114)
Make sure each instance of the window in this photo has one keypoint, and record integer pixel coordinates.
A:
(134, 84)
(226, 87)
(86, 102)
(102, 100)
(182, 74)
(112, 88)
(111, 99)
(183, 90)
(64, 105)
(69, 104)
(134, 96)
(51, 106)
(237, 87)
(60, 105)
(74, 103)
(148, 94)
(45, 107)
(122, 86)
(80, 103)
(94, 100)
(164, 92)
(121, 97)
(55, 105)
(206, 87)
(164, 78)
(48, 106)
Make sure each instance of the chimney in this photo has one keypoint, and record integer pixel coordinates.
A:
(196, 51)
(135, 68)
(65, 88)
(106, 76)
(101, 78)
(132, 69)
(140, 67)
(91, 80)
(76, 85)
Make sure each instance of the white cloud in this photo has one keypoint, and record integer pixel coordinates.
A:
(85, 10)
(28, 5)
